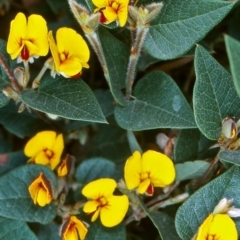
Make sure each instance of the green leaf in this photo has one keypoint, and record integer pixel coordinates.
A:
(98, 232)
(111, 143)
(15, 200)
(233, 51)
(163, 223)
(181, 24)
(133, 143)
(214, 96)
(95, 168)
(71, 99)
(106, 102)
(49, 231)
(13, 229)
(116, 55)
(158, 103)
(230, 157)
(21, 124)
(193, 212)
(186, 145)
(14, 159)
(190, 170)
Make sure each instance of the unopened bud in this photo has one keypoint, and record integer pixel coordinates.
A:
(223, 206)
(9, 92)
(229, 128)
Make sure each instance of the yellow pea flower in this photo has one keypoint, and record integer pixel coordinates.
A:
(111, 209)
(66, 166)
(112, 10)
(70, 53)
(41, 191)
(152, 169)
(45, 148)
(73, 228)
(219, 226)
(27, 39)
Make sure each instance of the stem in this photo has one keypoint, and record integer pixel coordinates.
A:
(38, 79)
(26, 67)
(133, 59)
(7, 70)
(94, 41)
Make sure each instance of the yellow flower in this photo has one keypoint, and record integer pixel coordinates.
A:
(112, 10)
(217, 227)
(45, 148)
(66, 165)
(27, 39)
(111, 209)
(73, 228)
(70, 54)
(152, 169)
(41, 191)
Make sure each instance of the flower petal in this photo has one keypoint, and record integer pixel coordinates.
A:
(54, 51)
(99, 188)
(43, 198)
(37, 33)
(41, 158)
(72, 44)
(90, 206)
(223, 227)
(132, 170)
(110, 14)
(160, 167)
(95, 215)
(57, 151)
(123, 15)
(204, 228)
(70, 67)
(18, 31)
(115, 211)
(100, 3)
(39, 142)
(144, 186)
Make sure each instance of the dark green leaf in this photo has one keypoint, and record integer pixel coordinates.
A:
(233, 50)
(71, 99)
(163, 223)
(214, 96)
(186, 145)
(49, 231)
(98, 232)
(158, 103)
(190, 170)
(15, 200)
(21, 124)
(13, 160)
(116, 55)
(13, 229)
(230, 157)
(95, 168)
(193, 212)
(181, 24)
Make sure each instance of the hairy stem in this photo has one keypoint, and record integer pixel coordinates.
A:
(133, 59)
(14, 82)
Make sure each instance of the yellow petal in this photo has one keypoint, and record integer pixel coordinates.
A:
(43, 197)
(100, 3)
(70, 67)
(114, 212)
(204, 228)
(110, 14)
(41, 158)
(99, 188)
(42, 140)
(57, 151)
(132, 171)
(223, 227)
(54, 51)
(90, 206)
(18, 31)
(71, 234)
(95, 215)
(160, 167)
(123, 15)
(144, 186)
(37, 33)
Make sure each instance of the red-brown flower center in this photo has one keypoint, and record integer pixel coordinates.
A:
(49, 153)
(25, 53)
